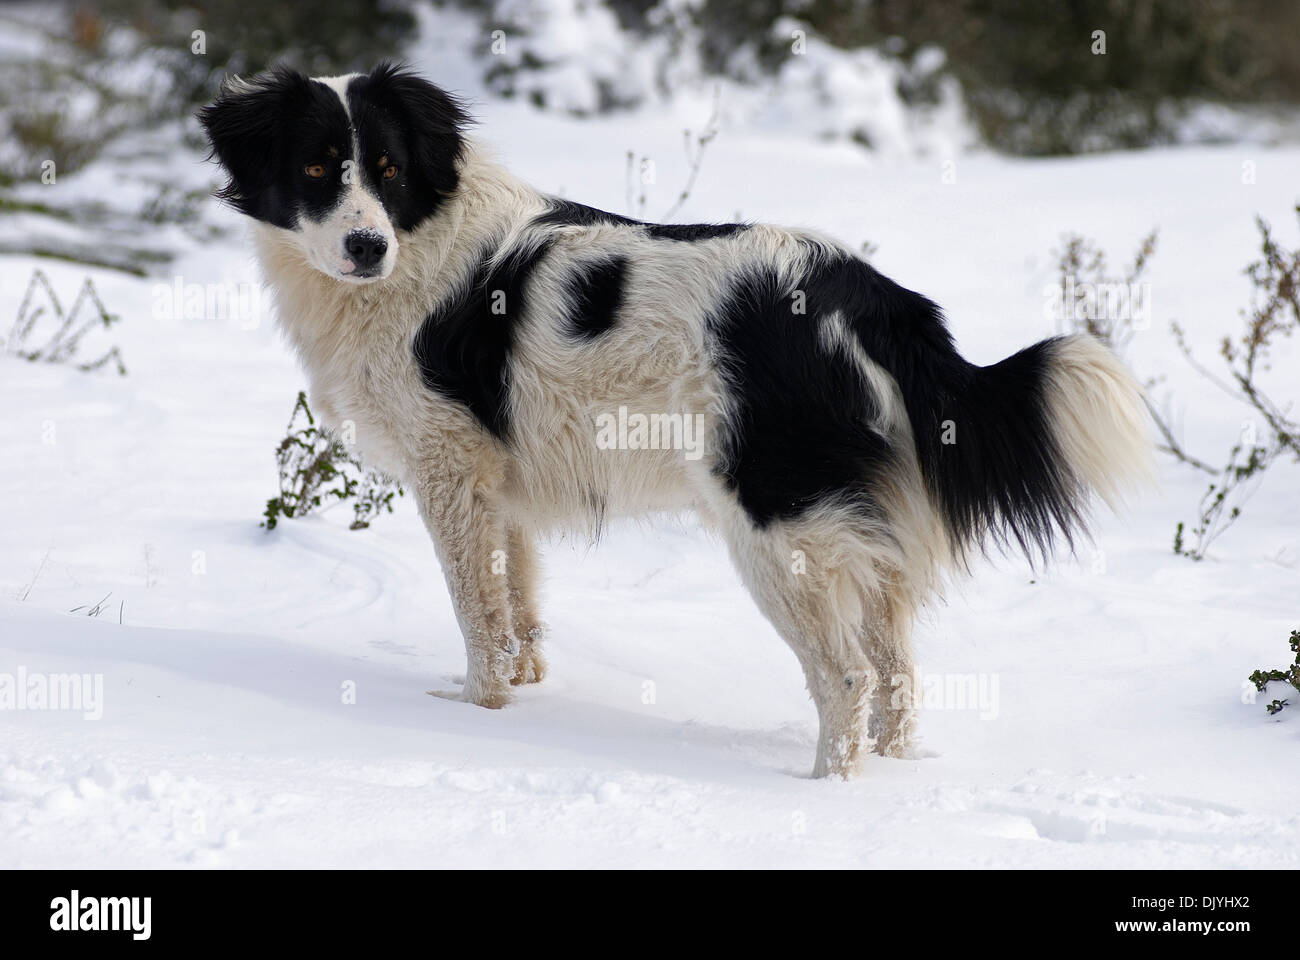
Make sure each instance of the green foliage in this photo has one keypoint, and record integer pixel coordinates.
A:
(1262, 678)
(62, 345)
(1217, 511)
(315, 468)
(374, 496)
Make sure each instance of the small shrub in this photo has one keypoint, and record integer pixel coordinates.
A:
(63, 345)
(1220, 505)
(1081, 269)
(315, 468)
(1274, 313)
(1262, 678)
(374, 496)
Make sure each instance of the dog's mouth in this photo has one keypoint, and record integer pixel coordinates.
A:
(359, 277)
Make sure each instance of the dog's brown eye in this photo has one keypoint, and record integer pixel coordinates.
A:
(390, 171)
(315, 171)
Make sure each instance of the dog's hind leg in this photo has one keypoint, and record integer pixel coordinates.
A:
(886, 638)
(799, 582)
(522, 574)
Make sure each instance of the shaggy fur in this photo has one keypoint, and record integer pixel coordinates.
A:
(846, 452)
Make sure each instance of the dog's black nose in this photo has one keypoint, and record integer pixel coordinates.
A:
(365, 249)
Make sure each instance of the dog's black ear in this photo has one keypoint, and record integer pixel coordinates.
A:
(434, 120)
(245, 128)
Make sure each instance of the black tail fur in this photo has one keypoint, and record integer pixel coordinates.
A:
(983, 435)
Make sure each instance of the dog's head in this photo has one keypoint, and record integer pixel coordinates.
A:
(346, 164)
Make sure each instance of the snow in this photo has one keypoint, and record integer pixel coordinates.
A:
(674, 728)
(570, 57)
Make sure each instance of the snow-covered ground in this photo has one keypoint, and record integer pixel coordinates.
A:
(674, 728)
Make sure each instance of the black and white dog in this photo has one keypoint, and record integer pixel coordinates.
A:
(527, 364)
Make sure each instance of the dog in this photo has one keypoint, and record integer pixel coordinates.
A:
(527, 364)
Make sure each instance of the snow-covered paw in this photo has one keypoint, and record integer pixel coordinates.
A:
(893, 731)
(530, 665)
(907, 749)
(493, 701)
(488, 690)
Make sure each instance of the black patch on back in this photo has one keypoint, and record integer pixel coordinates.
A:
(693, 232)
(594, 293)
(463, 347)
(800, 430)
(568, 213)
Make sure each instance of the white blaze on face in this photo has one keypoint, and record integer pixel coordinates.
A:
(359, 215)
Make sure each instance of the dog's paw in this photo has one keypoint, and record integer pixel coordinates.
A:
(902, 748)
(530, 665)
(492, 696)
(493, 699)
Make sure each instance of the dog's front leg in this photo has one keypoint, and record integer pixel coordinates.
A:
(461, 512)
(530, 665)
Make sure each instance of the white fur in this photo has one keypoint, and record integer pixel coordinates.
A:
(1099, 419)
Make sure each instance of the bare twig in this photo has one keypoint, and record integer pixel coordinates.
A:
(96, 610)
(694, 145)
(695, 152)
(36, 576)
(1171, 445)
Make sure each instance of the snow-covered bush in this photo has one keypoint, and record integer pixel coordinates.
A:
(1262, 678)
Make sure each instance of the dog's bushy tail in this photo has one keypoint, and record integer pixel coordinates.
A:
(1013, 452)
(1022, 445)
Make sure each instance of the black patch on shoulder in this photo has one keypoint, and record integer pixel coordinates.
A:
(568, 213)
(801, 427)
(594, 293)
(463, 347)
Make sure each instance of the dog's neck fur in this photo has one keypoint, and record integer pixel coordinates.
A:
(327, 321)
